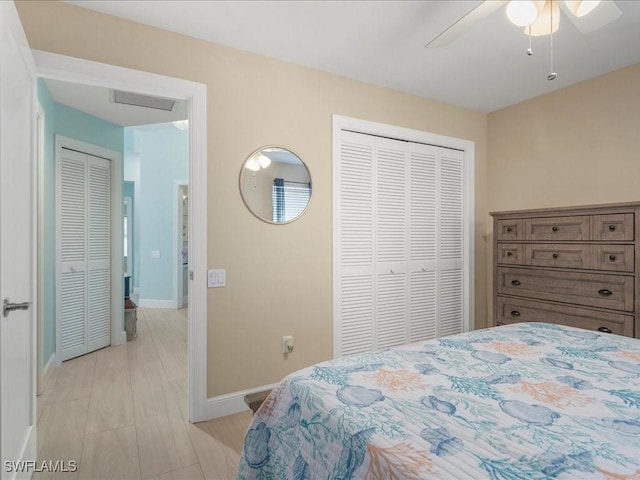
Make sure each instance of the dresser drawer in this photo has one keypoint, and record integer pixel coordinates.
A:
(615, 292)
(510, 230)
(575, 255)
(512, 310)
(616, 258)
(614, 227)
(553, 229)
(511, 254)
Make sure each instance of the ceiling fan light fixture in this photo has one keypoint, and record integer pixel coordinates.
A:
(523, 12)
(580, 8)
(264, 161)
(252, 164)
(542, 25)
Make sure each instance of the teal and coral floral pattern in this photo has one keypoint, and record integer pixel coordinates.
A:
(524, 401)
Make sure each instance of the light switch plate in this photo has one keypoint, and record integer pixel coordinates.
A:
(155, 254)
(216, 278)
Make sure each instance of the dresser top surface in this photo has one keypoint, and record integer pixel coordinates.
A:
(570, 210)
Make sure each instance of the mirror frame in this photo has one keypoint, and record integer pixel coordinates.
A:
(242, 192)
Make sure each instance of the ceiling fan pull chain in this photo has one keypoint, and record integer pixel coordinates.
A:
(553, 75)
(529, 50)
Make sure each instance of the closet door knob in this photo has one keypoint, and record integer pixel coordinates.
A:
(515, 282)
(605, 293)
(554, 228)
(612, 258)
(604, 330)
(612, 228)
(515, 313)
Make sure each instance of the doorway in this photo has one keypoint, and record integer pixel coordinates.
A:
(100, 75)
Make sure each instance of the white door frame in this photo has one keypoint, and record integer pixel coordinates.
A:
(178, 270)
(118, 335)
(76, 70)
(39, 204)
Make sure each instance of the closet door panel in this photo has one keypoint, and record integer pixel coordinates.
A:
(423, 205)
(99, 246)
(355, 297)
(392, 235)
(450, 243)
(72, 265)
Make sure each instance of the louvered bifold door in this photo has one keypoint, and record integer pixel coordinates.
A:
(354, 230)
(450, 242)
(423, 210)
(71, 253)
(83, 296)
(392, 220)
(98, 253)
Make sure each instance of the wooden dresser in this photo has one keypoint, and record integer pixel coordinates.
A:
(574, 266)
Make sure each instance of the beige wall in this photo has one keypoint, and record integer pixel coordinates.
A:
(279, 278)
(575, 146)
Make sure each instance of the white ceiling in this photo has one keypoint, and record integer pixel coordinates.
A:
(382, 42)
(97, 101)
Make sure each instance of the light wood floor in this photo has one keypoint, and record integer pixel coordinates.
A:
(121, 412)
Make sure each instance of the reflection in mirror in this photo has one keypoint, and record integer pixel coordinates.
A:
(275, 185)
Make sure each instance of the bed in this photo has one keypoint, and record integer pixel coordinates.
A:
(522, 401)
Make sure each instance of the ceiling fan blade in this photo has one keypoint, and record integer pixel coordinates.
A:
(606, 12)
(465, 23)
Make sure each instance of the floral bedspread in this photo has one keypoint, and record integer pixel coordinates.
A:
(524, 401)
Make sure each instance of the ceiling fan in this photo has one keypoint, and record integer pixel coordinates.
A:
(534, 15)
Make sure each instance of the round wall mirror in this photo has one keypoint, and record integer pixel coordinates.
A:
(275, 185)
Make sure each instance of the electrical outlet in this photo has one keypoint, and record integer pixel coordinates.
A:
(287, 344)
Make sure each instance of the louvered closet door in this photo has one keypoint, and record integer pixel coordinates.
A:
(400, 243)
(72, 246)
(83, 291)
(98, 253)
(391, 239)
(355, 245)
(423, 245)
(450, 242)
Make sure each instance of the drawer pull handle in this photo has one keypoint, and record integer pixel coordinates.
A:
(515, 282)
(515, 313)
(509, 229)
(554, 228)
(612, 228)
(604, 330)
(612, 258)
(509, 254)
(605, 293)
(555, 255)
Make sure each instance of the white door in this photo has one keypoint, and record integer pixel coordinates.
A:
(17, 328)
(83, 295)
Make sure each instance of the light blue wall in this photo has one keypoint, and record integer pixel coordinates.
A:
(49, 250)
(164, 158)
(63, 120)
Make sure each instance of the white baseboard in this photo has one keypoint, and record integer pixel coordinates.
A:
(50, 363)
(151, 303)
(231, 403)
(120, 339)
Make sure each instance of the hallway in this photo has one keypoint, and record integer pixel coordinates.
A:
(121, 412)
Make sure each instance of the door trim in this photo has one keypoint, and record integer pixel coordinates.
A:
(117, 334)
(70, 69)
